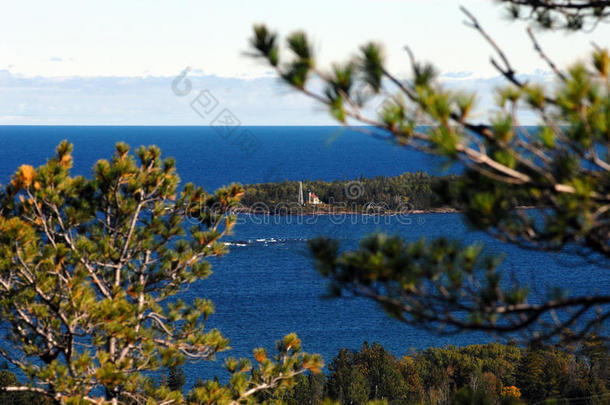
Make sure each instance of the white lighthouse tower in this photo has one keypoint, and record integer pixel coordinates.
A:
(301, 202)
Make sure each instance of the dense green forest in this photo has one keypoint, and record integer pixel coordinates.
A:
(408, 191)
(479, 374)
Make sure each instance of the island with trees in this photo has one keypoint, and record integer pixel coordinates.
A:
(403, 194)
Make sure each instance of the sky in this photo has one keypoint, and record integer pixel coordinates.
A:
(112, 62)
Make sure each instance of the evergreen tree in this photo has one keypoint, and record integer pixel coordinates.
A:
(347, 383)
(89, 273)
(176, 378)
(571, 15)
(531, 377)
(476, 374)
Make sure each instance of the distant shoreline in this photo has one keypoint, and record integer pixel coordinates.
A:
(442, 210)
(408, 193)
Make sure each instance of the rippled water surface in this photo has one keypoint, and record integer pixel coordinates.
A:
(266, 286)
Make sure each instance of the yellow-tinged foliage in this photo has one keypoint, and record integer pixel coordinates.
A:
(511, 392)
(260, 354)
(24, 176)
(66, 160)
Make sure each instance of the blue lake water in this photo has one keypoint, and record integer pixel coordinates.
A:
(268, 287)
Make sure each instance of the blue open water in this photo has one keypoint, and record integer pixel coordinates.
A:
(268, 287)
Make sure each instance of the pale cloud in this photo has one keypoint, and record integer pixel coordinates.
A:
(151, 100)
(457, 75)
(147, 101)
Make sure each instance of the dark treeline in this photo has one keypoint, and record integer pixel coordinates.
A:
(478, 374)
(408, 191)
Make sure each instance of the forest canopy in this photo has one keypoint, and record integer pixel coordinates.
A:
(403, 193)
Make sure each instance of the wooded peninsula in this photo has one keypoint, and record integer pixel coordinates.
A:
(408, 192)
